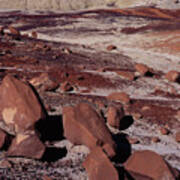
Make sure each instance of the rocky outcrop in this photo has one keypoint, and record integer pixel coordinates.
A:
(83, 125)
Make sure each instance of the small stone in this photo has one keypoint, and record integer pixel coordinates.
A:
(34, 34)
(101, 69)
(127, 75)
(137, 116)
(111, 47)
(133, 140)
(66, 86)
(13, 31)
(178, 136)
(142, 69)
(155, 139)
(119, 96)
(164, 131)
(173, 76)
(145, 108)
(67, 51)
(114, 115)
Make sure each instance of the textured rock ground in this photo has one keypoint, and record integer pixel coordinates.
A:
(71, 51)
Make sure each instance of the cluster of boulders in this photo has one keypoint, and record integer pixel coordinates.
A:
(21, 109)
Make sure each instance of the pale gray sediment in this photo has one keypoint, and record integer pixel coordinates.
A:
(65, 5)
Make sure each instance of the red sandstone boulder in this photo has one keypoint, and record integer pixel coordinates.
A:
(164, 131)
(83, 125)
(150, 164)
(111, 47)
(114, 115)
(142, 69)
(178, 136)
(119, 96)
(98, 166)
(19, 107)
(132, 140)
(26, 145)
(173, 76)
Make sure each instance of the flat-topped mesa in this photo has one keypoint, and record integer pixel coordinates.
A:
(83, 125)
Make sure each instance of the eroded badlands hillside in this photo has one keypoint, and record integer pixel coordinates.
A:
(93, 89)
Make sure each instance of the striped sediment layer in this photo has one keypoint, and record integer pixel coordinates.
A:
(66, 5)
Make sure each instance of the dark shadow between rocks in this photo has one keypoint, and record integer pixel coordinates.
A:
(126, 122)
(8, 142)
(53, 154)
(50, 129)
(39, 99)
(123, 174)
(178, 80)
(123, 148)
(149, 74)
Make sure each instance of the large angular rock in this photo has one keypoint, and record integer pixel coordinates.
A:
(26, 145)
(83, 125)
(19, 107)
(150, 164)
(98, 166)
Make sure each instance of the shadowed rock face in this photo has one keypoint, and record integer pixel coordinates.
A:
(83, 57)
